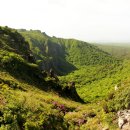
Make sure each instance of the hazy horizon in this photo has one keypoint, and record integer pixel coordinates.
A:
(94, 21)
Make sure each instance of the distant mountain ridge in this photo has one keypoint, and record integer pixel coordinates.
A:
(121, 51)
(64, 55)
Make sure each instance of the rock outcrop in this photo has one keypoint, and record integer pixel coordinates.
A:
(124, 119)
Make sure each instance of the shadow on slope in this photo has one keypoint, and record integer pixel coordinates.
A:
(48, 53)
(15, 59)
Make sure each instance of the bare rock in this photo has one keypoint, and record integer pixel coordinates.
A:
(124, 119)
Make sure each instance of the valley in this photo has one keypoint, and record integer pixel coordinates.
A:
(30, 99)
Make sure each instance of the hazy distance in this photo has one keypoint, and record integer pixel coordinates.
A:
(100, 21)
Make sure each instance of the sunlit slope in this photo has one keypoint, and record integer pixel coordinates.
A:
(30, 101)
(25, 101)
(96, 82)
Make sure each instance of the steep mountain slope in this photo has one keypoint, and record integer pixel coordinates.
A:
(23, 103)
(9, 38)
(31, 101)
(15, 55)
(96, 82)
(64, 55)
(16, 58)
(48, 53)
(24, 107)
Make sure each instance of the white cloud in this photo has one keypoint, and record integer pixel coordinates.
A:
(89, 20)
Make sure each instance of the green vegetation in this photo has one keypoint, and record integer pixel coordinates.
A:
(15, 56)
(119, 50)
(32, 100)
(9, 38)
(96, 82)
(23, 106)
(121, 98)
(64, 55)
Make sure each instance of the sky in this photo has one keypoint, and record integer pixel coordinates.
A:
(88, 20)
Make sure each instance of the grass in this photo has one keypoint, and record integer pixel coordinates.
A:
(32, 108)
(29, 101)
(94, 83)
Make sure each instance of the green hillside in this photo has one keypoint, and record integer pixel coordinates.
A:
(16, 57)
(25, 93)
(118, 50)
(30, 99)
(64, 55)
(96, 82)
